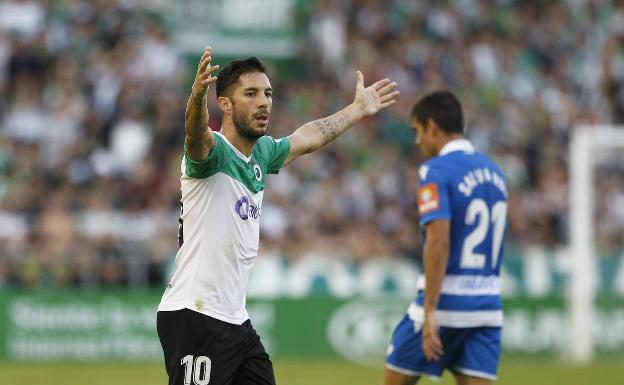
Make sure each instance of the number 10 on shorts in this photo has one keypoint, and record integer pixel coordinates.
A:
(196, 369)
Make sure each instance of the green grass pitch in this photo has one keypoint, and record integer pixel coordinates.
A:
(514, 371)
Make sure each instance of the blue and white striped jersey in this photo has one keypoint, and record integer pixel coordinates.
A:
(468, 189)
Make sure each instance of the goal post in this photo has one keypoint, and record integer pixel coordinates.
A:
(586, 142)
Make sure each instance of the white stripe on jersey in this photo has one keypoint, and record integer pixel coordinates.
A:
(459, 319)
(474, 373)
(467, 285)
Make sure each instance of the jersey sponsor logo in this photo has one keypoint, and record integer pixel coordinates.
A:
(428, 198)
(467, 285)
(246, 210)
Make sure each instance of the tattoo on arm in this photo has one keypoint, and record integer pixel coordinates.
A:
(199, 101)
(315, 134)
(333, 126)
(196, 115)
(327, 129)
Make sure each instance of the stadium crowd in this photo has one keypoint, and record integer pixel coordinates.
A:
(92, 97)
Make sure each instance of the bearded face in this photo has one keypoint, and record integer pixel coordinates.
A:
(251, 105)
(250, 126)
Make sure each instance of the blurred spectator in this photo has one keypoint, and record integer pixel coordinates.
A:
(22, 17)
(91, 129)
(328, 34)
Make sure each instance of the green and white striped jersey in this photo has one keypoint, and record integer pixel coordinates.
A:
(220, 227)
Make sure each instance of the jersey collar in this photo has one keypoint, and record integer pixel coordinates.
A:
(457, 145)
(238, 153)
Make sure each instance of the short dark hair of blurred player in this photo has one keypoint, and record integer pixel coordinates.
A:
(202, 321)
(439, 110)
(455, 321)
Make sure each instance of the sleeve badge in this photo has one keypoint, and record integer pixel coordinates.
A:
(428, 198)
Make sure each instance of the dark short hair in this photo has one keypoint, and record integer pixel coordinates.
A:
(443, 108)
(233, 71)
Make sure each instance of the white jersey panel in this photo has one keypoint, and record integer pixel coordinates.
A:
(221, 219)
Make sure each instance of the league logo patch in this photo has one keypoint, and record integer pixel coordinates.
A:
(428, 198)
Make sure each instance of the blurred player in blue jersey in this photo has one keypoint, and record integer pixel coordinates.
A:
(455, 321)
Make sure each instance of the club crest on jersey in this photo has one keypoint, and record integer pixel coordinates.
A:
(428, 198)
(257, 172)
(246, 209)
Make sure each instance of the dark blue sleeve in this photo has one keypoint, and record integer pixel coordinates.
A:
(433, 195)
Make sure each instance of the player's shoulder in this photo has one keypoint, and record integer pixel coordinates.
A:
(220, 140)
(456, 162)
(268, 140)
(490, 163)
(222, 147)
(439, 162)
(431, 167)
(435, 161)
(266, 144)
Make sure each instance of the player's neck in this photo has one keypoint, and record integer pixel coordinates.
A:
(242, 144)
(446, 140)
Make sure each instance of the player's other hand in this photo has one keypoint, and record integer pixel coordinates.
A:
(432, 346)
(375, 97)
(203, 77)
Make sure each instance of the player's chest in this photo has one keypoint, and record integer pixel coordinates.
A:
(250, 173)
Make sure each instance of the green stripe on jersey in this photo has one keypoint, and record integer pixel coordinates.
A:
(268, 156)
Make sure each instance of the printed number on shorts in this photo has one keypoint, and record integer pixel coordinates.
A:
(478, 208)
(196, 369)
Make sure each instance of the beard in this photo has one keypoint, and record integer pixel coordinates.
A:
(244, 128)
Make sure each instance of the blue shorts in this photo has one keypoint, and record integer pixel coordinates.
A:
(471, 351)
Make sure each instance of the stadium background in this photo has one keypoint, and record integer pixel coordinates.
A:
(92, 96)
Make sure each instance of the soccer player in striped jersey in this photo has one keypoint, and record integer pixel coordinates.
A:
(202, 322)
(455, 321)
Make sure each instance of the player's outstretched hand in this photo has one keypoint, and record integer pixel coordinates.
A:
(204, 77)
(375, 97)
(432, 346)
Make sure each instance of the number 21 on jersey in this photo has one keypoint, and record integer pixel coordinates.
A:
(478, 212)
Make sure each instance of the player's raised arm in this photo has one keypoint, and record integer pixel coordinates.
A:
(199, 138)
(368, 101)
